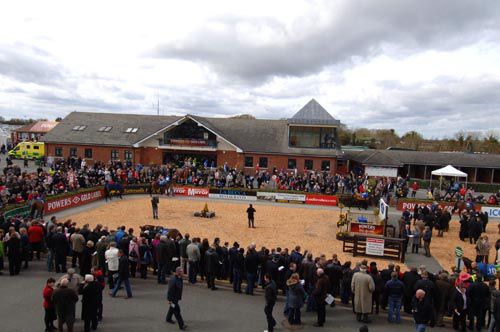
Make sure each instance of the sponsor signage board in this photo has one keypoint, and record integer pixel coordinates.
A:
(73, 200)
(410, 205)
(266, 196)
(290, 198)
(383, 209)
(191, 191)
(22, 211)
(233, 197)
(363, 228)
(492, 211)
(321, 200)
(375, 246)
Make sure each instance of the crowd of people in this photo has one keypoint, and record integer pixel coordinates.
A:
(111, 258)
(417, 226)
(64, 175)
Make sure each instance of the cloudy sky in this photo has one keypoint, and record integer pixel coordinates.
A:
(430, 66)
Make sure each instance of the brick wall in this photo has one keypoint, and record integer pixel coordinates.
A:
(281, 162)
(99, 153)
(232, 158)
(151, 156)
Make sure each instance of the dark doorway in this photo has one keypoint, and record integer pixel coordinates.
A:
(181, 158)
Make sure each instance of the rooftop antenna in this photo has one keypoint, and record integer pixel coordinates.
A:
(158, 104)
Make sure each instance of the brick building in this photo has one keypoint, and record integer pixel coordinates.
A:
(308, 140)
(32, 131)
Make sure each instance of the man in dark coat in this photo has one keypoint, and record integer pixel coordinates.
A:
(60, 246)
(162, 258)
(271, 296)
(334, 273)
(475, 229)
(477, 295)
(251, 266)
(87, 255)
(444, 290)
(250, 212)
(123, 275)
(91, 292)
(174, 295)
(320, 293)
(496, 312)
(65, 299)
(13, 246)
(459, 307)
(154, 204)
(211, 267)
(422, 310)
(385, 275)
(410, 278)
(238, 263)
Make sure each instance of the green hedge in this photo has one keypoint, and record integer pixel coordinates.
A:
(478, 187)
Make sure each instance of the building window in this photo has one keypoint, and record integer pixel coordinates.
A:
(88, 153)
(73, 152)
(340, 163)
(263, 162)
(248, 161)
(128, 155)
(79, 128)
(312, 137)
(309, 164)
(292, 163)
(131, 130)
(105, 129)
(325, 165)
(58, 151)
(114, 154)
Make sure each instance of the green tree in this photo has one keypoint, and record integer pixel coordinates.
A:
(412, 139)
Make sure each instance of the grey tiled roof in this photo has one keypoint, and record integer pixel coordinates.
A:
(313, 113)
(147, 124)
(397, 158)
(259, 135)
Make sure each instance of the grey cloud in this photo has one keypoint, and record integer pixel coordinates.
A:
(73, 102)
(435, 110)
(357, 29)
(29, 65)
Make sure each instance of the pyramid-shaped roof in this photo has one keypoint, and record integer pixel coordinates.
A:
(313, 113)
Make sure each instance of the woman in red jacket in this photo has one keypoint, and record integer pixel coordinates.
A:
(48, 305)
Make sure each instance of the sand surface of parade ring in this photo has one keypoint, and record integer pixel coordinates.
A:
(284, 225)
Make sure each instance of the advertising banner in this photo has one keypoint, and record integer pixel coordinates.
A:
(266, 196)
(289, 198)
(22, 211)
(233, 197)
(239, 195)
(367, 228)
(492, 211)
(383, 209)
(189, 191)
(375, 246)
(410, 205)
(321, 200)
(73, 200)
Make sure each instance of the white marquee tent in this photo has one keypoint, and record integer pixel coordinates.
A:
(448, 171)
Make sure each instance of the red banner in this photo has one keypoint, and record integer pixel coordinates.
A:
(189, 191)
(367, 228)
(321, 200)
(72, 201)
(410, 205)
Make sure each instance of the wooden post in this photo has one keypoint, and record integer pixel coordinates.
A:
(355, 247)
